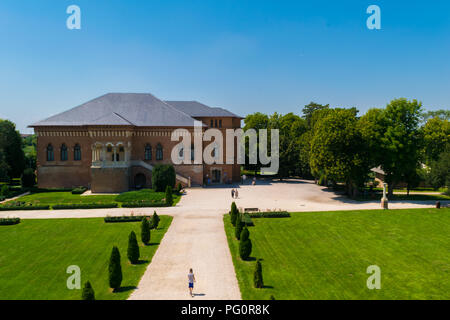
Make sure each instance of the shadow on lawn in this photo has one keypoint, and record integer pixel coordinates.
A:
(125, 289)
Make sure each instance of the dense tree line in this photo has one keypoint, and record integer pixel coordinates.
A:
(12, 157)
(336, 145)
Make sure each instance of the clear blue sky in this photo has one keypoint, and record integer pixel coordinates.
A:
(243, 55)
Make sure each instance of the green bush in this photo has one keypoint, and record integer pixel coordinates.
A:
(28, 178)
(84, 206)
(124, 219)
(234, 213)
(154, 223)
(88, 292)
(133, 249)
(79, 190)
(144, 204)
(239, 226)
(163, 176)
(22, 207)
(246, 220)
(257, 275)
(4, 191)
(145, 231)
(115, 269)
(9, 221)
(270, 214)
(169, 197)
(245, 244)
(179, 188)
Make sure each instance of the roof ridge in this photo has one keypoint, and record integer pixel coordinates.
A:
(119, 115)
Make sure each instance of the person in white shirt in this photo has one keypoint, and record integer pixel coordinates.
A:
(191, 279)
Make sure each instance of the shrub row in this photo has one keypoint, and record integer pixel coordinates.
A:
(247, 220)
(270, 214)
(85, 206)
(79, 190)
(144, 204)
(124, 219)
(20, 208)
(9, 221)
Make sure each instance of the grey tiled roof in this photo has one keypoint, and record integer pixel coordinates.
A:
(136, 109)
(197, 109)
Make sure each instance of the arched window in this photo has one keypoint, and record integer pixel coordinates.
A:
(50, 153)
(63, 152)
(148, 152)
(77, 152)
(159, 152)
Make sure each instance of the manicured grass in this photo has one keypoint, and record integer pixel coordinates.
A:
(55, 198)
(35, 254)
(325, 255)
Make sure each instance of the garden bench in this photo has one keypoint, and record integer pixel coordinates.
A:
(251, 210)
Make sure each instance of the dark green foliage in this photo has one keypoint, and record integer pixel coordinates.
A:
(245, 244)
(12, 156)
(115, 269)
(270, 214)
(9, 221)
(144, 204)
(23, 207)
(88, 292)
(84, 206)
(163, 176)
(145, 231)
(257, 276)
(154, 223)
(272, 297)
(234, 213)
(124, 219)
(79, 190)
(4, 191)
(28, 178)
(133, 248)
(239, 226)
(169, 196)
(179, 188)
(247, 220)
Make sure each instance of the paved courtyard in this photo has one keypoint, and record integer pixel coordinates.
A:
(197, 238)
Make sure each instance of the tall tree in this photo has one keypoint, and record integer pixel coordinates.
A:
(436, 136)
(338, 150)
(402, 141)
(11, 147)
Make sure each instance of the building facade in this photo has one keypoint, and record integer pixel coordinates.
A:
(112, 143)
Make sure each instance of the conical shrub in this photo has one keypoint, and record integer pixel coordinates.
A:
(115, 269)
(88, 292)
(145, 231)
(133, 248)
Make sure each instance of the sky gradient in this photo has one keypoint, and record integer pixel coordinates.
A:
(243, 55)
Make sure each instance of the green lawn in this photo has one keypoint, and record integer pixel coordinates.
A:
(35, 254)
(54, 198)
(324, 255)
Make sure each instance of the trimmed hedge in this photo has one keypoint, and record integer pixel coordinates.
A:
(79, 190)
(144, 204)
(9, 221)
(25, 208)
(247, 220)
(270, 214)
(124, 219)
(85, 206)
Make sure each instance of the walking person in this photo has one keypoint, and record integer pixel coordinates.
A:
(232, 193)
(191, 279)
(236, 194)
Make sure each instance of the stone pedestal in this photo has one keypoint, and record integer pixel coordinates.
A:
(384, 203)
(384, 200)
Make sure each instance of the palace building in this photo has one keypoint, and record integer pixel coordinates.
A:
(111, 143)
